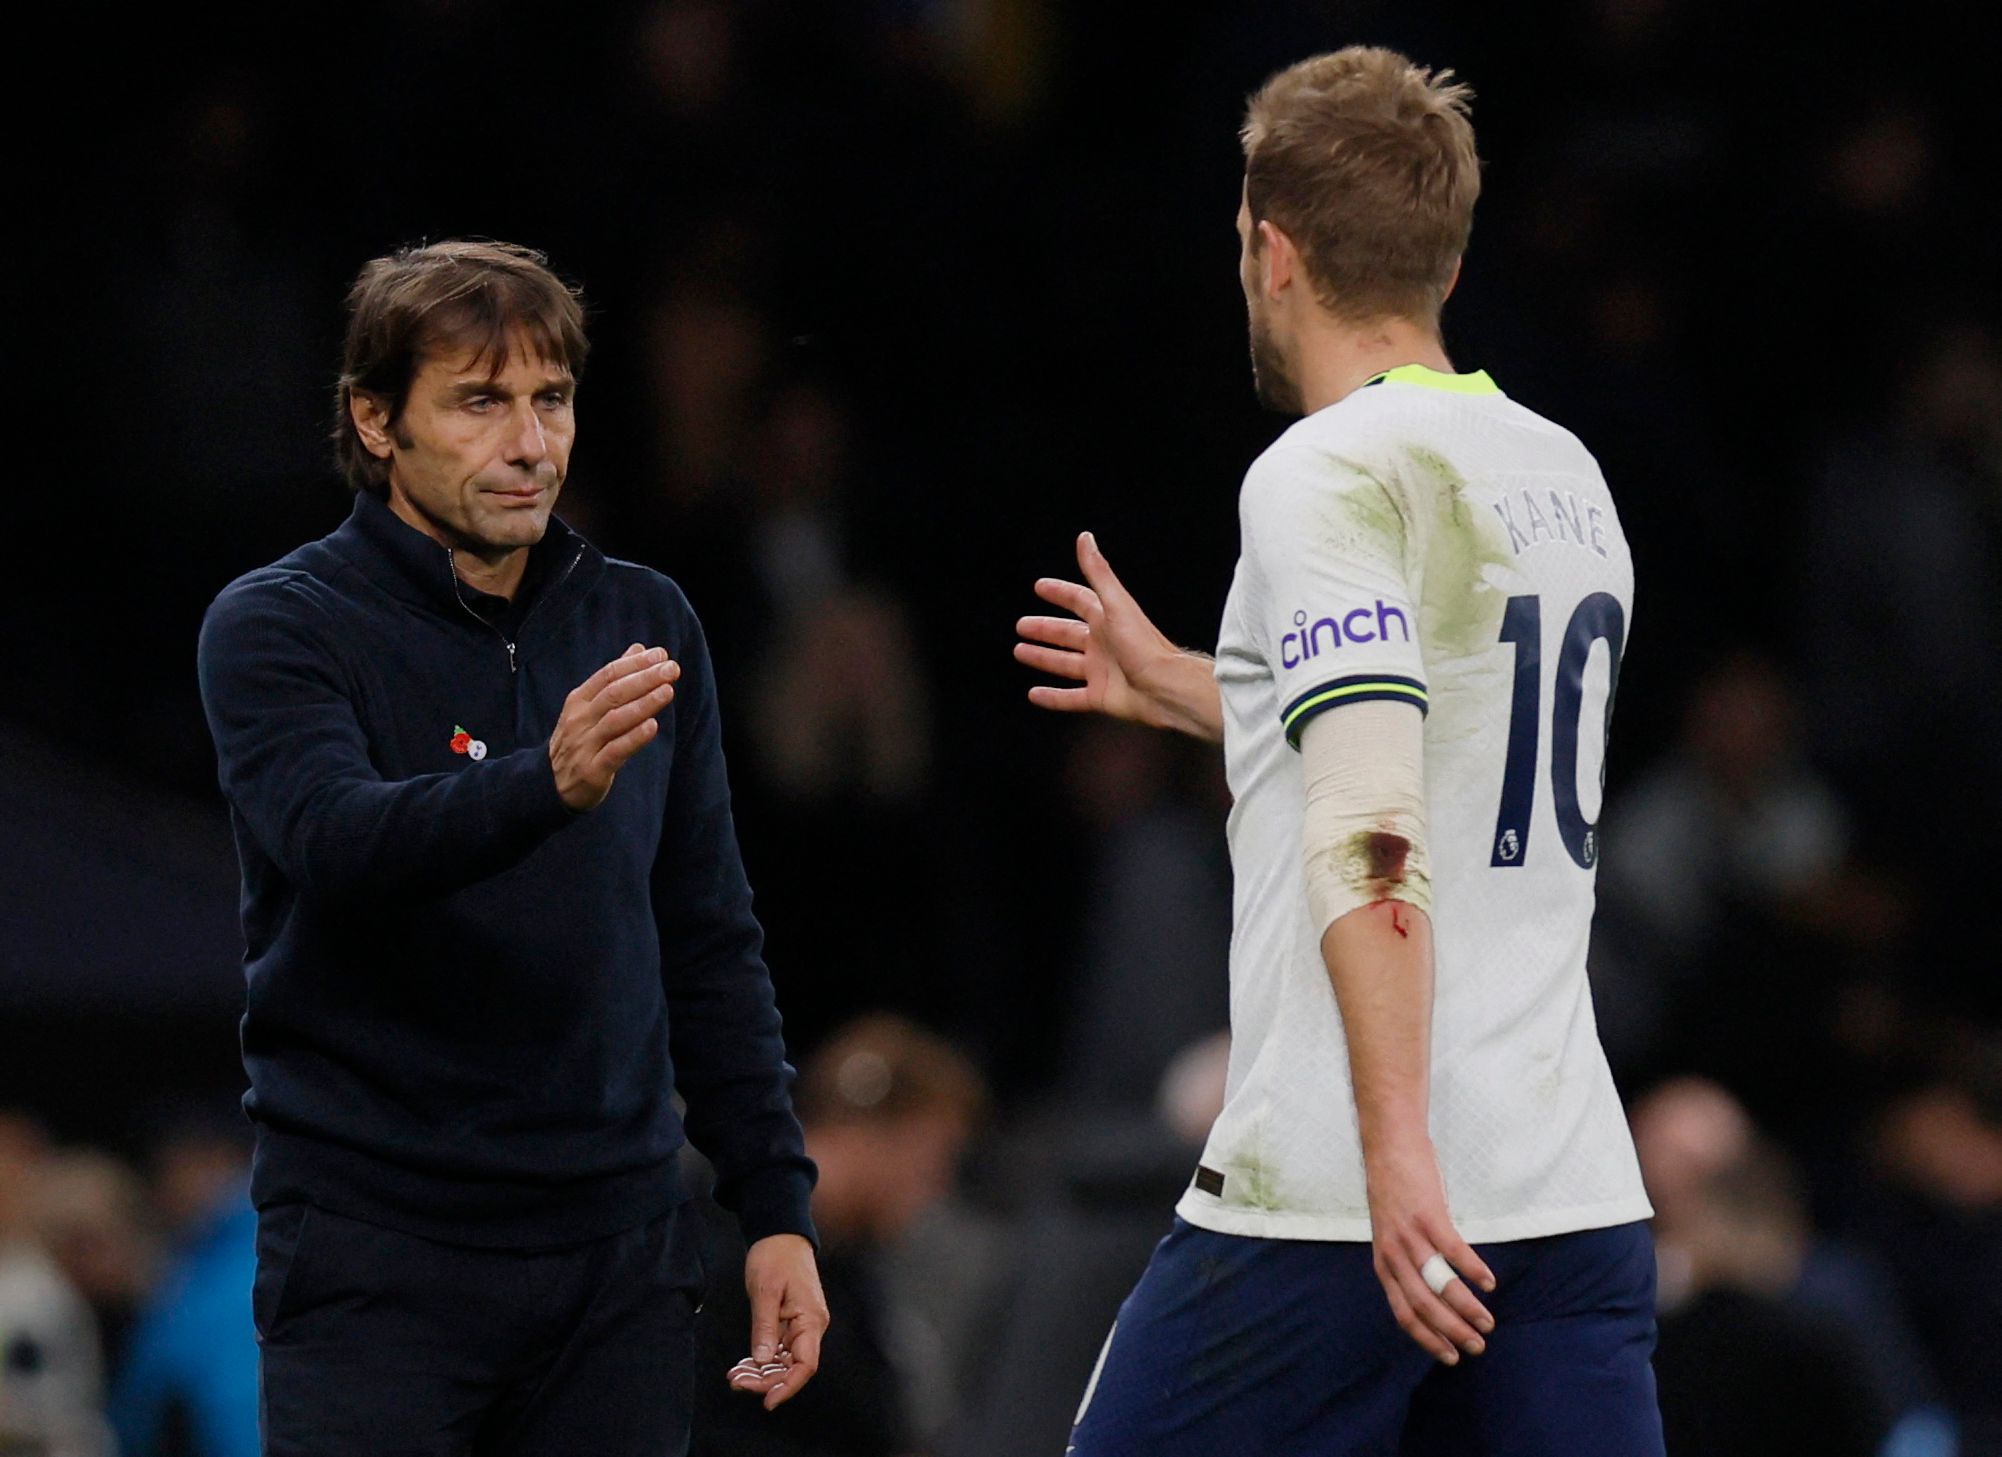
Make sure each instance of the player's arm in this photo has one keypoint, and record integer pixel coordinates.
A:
(296, 765)
(1369, 889)
(1128, 669)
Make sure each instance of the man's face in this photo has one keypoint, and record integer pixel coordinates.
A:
(1271, 371)
(481, 454)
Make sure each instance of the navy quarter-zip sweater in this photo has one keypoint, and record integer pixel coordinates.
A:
(467, 1006)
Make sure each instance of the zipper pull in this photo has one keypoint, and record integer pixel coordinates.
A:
(510, 654)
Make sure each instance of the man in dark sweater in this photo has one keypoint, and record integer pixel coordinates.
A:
(496, 917)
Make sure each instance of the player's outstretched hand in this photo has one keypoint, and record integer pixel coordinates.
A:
(788, 1318)
(1409, 1224)
(1124, 665)
(607, 719)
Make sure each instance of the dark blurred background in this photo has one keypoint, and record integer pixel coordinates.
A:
(889, 299)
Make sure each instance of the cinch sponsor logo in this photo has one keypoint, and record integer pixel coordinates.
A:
(1364, 624)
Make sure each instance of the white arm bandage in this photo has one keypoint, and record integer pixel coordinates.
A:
(1364, 835)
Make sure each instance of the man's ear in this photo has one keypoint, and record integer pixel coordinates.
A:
(370, 413)
(1279, 260)
(1451, 283)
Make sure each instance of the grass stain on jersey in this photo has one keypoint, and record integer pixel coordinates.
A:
(1250, 1180)
(1258, 1190)
(1373, 511)
(1467, 563)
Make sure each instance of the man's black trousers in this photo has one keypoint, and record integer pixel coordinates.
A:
(381, 1343)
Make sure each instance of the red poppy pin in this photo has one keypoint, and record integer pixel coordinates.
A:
(465, 743)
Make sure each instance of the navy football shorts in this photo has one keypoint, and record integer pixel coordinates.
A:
(1272, 1347)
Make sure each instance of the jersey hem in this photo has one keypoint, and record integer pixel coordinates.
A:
(1205, 1212)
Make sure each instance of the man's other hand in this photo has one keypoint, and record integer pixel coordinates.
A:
(607, 719)
(1409, 1224)
(1126, 667)
(788, 1318)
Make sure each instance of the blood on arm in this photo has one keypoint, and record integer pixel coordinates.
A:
(1363, 834)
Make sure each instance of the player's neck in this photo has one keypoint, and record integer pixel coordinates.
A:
(1336, 359)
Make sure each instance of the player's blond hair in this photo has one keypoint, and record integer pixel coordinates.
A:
(1366, 161)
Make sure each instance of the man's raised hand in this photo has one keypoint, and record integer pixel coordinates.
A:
(1126, 667)
(607, 719)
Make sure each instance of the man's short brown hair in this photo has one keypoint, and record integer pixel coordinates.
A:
(459, 295)
(1367, 163)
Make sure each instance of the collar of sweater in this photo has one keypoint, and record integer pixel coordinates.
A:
(411, 565)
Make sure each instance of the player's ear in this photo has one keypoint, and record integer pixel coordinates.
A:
(1451, 283)
(370, 414)
(1280, 259)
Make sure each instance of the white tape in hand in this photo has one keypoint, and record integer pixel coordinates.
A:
(1437, 1274)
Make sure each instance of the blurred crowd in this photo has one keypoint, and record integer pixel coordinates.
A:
(890, 298)
(123, 1325)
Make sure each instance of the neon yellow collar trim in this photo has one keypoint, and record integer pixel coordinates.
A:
(1476, 383)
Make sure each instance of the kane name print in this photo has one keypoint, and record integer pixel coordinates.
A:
(1565, 520)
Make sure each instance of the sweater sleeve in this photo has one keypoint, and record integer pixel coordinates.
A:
(294, 763)
(723, 1023)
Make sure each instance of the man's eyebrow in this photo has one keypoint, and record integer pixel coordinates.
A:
(467, 389)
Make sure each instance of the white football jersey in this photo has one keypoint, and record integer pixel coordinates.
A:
(1427, 540)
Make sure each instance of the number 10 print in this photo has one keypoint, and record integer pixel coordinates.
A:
(1599, 616)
